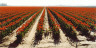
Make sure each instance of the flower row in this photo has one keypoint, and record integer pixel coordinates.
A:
(54, 26)
(40, 28)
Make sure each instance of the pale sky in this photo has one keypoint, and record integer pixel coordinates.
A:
(49, 2)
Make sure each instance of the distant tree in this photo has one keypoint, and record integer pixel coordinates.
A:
(3, 4)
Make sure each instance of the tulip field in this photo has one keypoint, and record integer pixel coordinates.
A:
(25, 27)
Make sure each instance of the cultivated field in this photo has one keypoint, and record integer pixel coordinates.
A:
(47, 27)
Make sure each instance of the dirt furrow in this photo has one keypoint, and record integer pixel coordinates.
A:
(29, 37)
(7, 40)
(46, 24)
(46, 39)
(64, 41)
(84, 43)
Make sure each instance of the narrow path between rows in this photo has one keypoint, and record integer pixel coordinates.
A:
(7, 40)
(29, 37)
(47, 35)
(48, 41)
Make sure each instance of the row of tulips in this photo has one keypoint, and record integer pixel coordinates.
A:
(16, 17)
(11, 19)
(9, 16)
(66, 15)
(76, 16)
(25, 27)
(13, 25)
(87, 21)
(5, 17)
(89, 14)
(54, 26)
(15, 20)
(65, 25)
(90, 19)
(40, 28)
(83, 12)
(79, 13)
(79, 25)
(8, 12)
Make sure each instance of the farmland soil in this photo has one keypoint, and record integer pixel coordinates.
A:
(48, 41)
(9, 39)
(29, 37)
